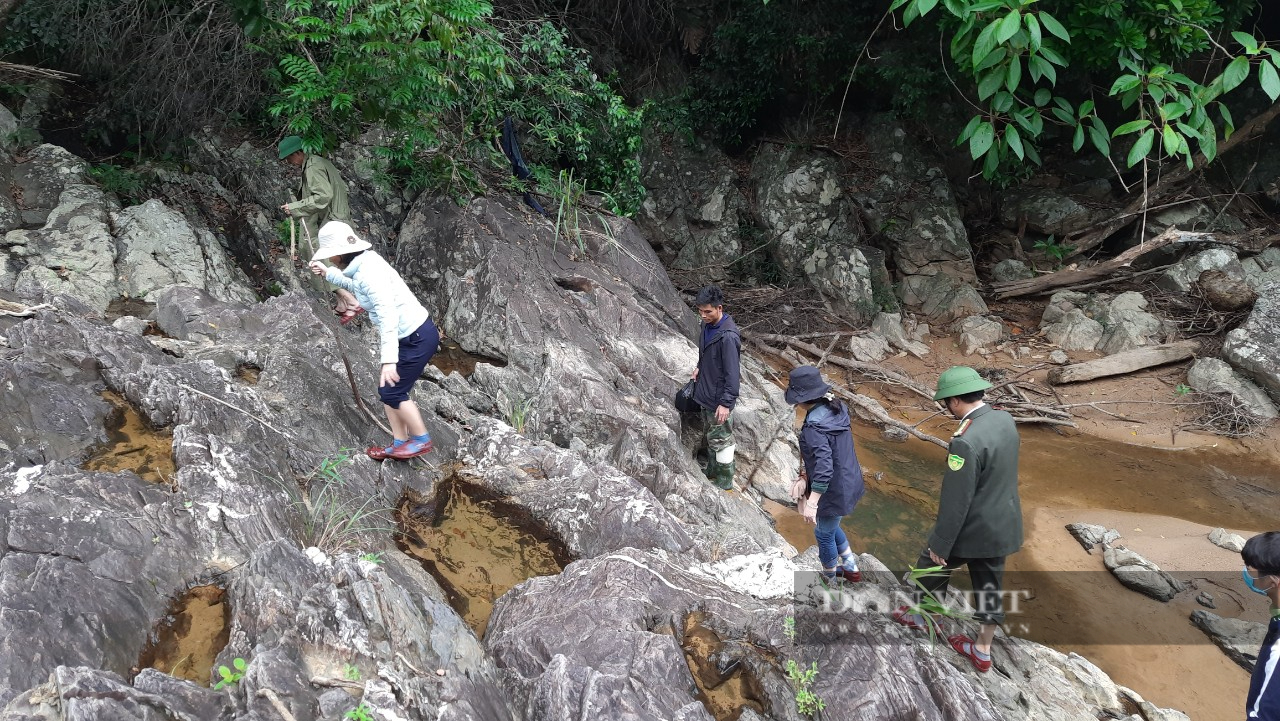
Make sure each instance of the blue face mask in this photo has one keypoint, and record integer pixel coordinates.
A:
(1248, 581)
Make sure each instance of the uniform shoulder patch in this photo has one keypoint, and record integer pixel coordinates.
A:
(955, 462)
(964, 426)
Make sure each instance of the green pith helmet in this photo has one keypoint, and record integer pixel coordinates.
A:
(959, 380)
(289, 146)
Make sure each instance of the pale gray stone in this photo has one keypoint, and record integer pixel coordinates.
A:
(1222, 538)
(1211, 375)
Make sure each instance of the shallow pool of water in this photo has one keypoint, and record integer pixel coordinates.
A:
(133, 445)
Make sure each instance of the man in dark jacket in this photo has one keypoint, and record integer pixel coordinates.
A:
(716, 382)
(979, 514)
(833, 478)
(1262, 575)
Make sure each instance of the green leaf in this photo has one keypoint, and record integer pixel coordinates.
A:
(1014, 141)
(985, 43)
(1173, 110)
(239, 664)
(1236, 72)
(1033, 31)
(1269, 79)
(1132, 126)
(1052, 56)
(1246, 40)
(1002, 102)
(968, 129)
(1052, 25)
(994, 58)
(1123, 83)
(1229, 125)
(1042, 97)
(992, 163)
(1085, 108)
(1077, 141)
(1013, 75)
(982, 139)
(1209, 146)
(990, 83)
(1008, 26)
(1065, 116)
(1171, 140)
(1098, 134)
(910, 14)
(1041, 68)
(1142, 147)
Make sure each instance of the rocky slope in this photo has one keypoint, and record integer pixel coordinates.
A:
(674, 584)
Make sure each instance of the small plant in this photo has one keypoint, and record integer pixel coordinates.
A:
(231, 677)
(517, 411)
(374, 558)
(125, 183)
(360, 713)
(807, 702)
(331, 522)
(1053, 249)
(928, 607)
(1183, 389)
(350, 672)
(789, 628)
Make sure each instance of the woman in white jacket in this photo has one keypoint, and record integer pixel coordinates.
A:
(407, 337)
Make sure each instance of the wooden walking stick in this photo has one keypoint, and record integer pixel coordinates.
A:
(293, 240)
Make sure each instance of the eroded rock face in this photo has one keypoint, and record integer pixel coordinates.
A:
(1210, 375)
(1183, 275)
(1254, 347)
(1046, 211)
(598, 361)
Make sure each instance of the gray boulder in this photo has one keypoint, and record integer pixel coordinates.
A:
(941, 298)
(692, 206)
(818, 233)
(1141, 575)
(1183, 275)
(1059, 357)
(8, 128)
(1254, 347)
(74, 253)
(889, 327)
(1126, 324)
(1237, 638)
(1262, 268)
(1074, 331)
(45, 172)
(912, 204)
(1211, 375)
(871, 348)
(1091, 536)
(977, 332)
(1009, 270)
(1046, 211)
(1221, 538)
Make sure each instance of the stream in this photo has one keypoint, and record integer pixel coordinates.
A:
(1158, 499)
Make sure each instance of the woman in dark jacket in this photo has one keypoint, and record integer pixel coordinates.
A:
(833, 478)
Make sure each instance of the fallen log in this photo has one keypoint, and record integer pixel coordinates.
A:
(1126, 362)
(1064, 278)
(869, 408)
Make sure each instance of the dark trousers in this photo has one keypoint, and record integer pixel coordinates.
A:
(987, 575)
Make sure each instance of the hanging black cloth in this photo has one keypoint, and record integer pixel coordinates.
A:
(511, 148)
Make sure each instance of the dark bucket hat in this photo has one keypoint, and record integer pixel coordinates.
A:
(805, 384)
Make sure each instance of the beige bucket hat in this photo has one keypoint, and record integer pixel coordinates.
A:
(338, 238)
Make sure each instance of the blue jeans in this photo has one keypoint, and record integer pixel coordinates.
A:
(831, 540)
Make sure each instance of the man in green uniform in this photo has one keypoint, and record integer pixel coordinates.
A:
(979, 514)
(322, 198)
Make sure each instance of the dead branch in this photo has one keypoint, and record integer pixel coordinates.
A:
(868, 406)
(1220, 413)
(869, 369)
(1063, 278)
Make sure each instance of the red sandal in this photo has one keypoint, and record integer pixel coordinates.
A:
(903, 616)
(349, 315)
(959, 642)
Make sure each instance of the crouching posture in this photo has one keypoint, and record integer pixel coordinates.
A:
(407, 337)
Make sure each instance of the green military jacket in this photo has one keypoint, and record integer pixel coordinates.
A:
(323, 196)
(980, 514)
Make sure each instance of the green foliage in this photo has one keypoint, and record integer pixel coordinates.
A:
(789, 628)
(330, 520)
(807, 702)
(574, 117)
(127, 184)
(417, 67)
(374, 558)
(928, 607)
(1013, 52)
(517, 411)
(1183, 389)
(360, 713)
(350, 672)
(231, 677)
(1053, 249)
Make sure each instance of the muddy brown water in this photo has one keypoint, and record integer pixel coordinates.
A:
(133, 445)
(1209, 486)
(477, 546)
(191, 635)
(451, 357)
(725, 692)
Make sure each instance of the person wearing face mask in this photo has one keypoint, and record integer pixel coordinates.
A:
(1261, 574)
